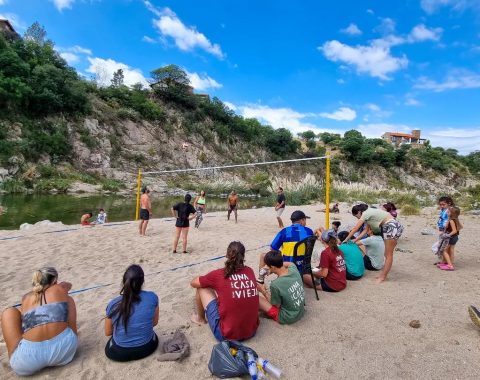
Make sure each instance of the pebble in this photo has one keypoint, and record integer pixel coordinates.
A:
(415, 324)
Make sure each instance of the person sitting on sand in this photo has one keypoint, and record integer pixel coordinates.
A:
(382, 222)
(85, 219)
(101, 217)
(336, 225)
(227, 298)
(130, 319)
(353, 258)
(373, 250)
(285, 241)
(182, 212)
(474, 315)
(285, 302)
(43, 333)
(232, 204)
(331, 272)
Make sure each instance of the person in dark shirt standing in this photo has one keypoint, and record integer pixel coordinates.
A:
(184, 212)
(280, 206)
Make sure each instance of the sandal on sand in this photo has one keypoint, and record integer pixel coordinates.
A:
(447, 267)
(474, 315)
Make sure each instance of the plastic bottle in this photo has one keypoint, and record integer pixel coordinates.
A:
(269, 368)
(252, 366)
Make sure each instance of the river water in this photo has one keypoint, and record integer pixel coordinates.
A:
(68, 209)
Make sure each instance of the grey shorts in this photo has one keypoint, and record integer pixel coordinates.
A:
(392, 230)
(280, 212)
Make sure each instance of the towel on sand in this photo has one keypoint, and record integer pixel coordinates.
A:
(173, 346)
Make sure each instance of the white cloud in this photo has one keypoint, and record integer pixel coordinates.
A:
(412, 102)
(79, 50)
(103, 69)
(186, 38)
(63, 4)
(386, 27)
(422, 33)
(3, 2)
(373, 107)
(465, 140)
(70, 58)
(431, 6)
(370, 11)
(278, 117)
(149, 40)
(342, 114)
(352, 30)
(374, 59)
(341, 81)
(457, 79)
(232, 106)
(202, 82)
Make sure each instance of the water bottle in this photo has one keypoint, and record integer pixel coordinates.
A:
(269, 368)
(252, 366)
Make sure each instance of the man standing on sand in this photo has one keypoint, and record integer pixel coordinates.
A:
(280, 206)
(232, 204)
(145, 210)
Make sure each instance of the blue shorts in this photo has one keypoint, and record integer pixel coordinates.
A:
(213, 318)
(30, 357)
(453, 240)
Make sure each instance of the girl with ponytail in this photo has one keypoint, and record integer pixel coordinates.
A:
(332, 269)
(131, 318)
(227, 298)
(47, 315)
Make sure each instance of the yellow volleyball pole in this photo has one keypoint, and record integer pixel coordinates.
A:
(139, 185)
(327, 191)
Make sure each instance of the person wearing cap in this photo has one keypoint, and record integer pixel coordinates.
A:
(285, 241)
(332, 271)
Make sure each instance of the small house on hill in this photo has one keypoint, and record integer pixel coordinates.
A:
(7, 28)
(397, 138)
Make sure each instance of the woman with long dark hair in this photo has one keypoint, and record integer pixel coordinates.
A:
(131, 318)
(227, 298)
(332, 269)
(184, 212)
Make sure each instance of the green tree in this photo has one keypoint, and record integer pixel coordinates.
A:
(118, 78)
(36, 33)
(170, 76)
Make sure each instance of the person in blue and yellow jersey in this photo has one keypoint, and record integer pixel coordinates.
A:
(285, 242)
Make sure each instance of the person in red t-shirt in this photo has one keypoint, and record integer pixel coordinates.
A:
(332, 271)
(227, 298)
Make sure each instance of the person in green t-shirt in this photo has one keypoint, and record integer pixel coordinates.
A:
(285, 303)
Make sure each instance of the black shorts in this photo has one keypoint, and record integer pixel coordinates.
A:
(368, 263)
(144, 214)
(233, 207)
(125, 354)
(324, 285)
(351, 277)
(453, 240)
(181, 223)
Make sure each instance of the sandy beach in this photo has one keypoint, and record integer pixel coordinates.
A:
(360, 333)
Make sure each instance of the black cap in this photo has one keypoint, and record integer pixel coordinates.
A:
(298, 215)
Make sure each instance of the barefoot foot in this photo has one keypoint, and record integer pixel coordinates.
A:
(197, 320)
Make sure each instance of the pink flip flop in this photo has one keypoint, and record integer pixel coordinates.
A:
(446, 267)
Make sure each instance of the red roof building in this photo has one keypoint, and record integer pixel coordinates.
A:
(398, 138)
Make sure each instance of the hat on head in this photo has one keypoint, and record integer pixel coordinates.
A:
(327, 234)
(298, 215)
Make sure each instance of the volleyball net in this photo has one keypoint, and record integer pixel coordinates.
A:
(327, 159)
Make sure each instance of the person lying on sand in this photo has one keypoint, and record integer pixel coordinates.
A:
(227, 298)
(334, 209)
(285, 302)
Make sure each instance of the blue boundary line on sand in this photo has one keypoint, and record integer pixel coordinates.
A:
(12, 237)
(160, 271)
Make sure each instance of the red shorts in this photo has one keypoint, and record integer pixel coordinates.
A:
(86, 223)
(273, 313)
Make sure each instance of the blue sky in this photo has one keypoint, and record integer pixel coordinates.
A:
(375, 66)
